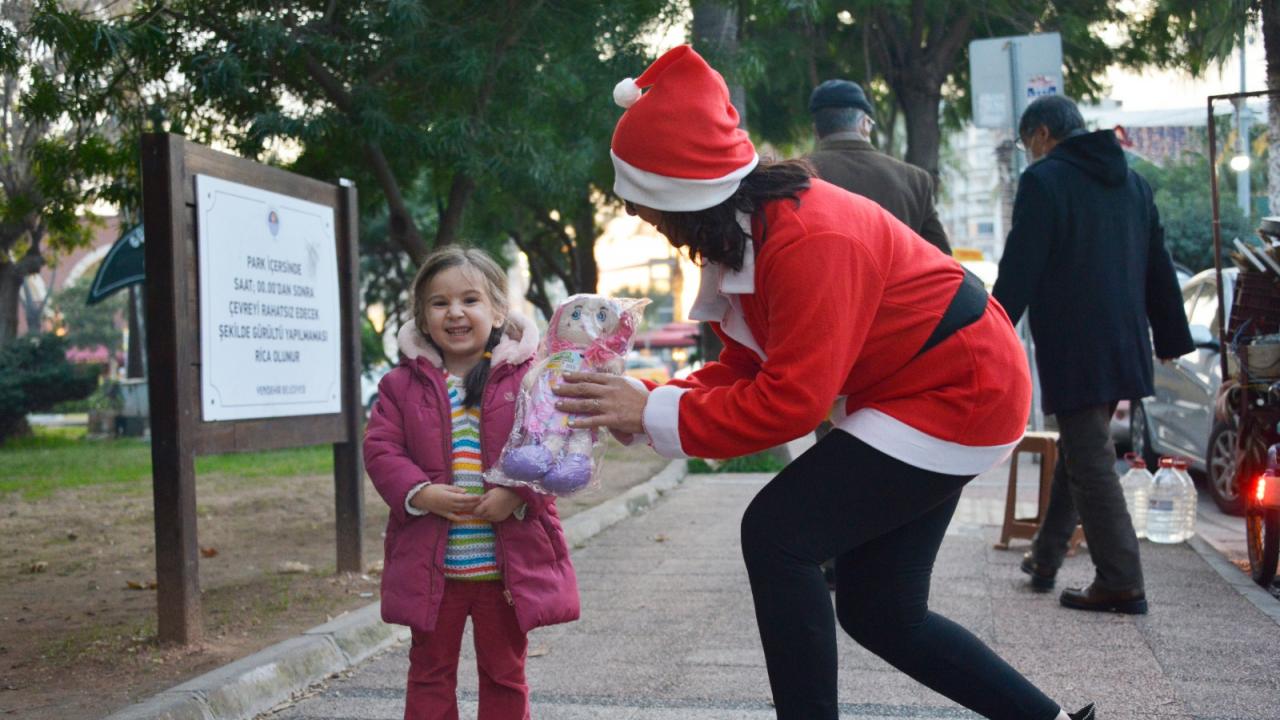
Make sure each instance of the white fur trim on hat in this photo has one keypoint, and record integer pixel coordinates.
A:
(626, 92)
(674, 194)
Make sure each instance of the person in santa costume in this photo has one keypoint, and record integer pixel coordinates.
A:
(822, 299)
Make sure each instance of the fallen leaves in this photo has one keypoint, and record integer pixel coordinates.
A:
(293, 567)
(140, 585)
(37, 566)
(208, 552)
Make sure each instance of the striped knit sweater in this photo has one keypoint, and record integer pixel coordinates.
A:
(469, 553)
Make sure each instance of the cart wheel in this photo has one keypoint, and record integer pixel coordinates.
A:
(1263, 529)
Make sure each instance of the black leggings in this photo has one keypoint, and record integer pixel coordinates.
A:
(883, 520)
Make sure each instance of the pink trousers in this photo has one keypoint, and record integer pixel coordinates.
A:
(500, 655)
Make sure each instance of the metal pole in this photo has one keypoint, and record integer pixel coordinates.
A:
(1024, 327)
(1217, 240)
(1242, 131)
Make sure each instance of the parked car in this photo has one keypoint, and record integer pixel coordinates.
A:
(647, 367)
(1120, 420)
(1179, 418)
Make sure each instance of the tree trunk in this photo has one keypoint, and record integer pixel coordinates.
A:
(451, 217)
(11, 277)
(924, 131)
(716, 27)
(33, 309)
(10, 302)
(1271, 41)
(584, 246)
(134, 365)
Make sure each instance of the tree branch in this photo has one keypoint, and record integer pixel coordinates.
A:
(957, 32)
(402, 227)
(917, 24)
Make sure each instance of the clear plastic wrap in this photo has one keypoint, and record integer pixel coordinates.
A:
(587, 333)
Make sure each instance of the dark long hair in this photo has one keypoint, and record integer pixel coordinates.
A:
(714, 235)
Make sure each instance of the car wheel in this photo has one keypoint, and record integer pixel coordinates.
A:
(1220, 469)
(1140, 434)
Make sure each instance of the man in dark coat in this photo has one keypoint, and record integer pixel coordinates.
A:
(1086, 257)
(844, 156)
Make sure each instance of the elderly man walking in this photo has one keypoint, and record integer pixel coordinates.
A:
(842, 121)
(1085, 256)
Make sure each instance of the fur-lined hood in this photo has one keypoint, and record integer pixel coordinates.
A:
(414, 345)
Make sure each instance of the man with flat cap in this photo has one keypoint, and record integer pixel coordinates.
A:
(842, 120)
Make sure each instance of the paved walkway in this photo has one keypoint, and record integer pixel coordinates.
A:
(668, 632)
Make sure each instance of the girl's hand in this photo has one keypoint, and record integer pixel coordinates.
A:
(448, 501)
(602, 400)
(497, 504)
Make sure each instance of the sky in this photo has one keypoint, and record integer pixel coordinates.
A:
(1161, 90)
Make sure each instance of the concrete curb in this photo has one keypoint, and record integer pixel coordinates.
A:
(582, 526)
(1242, 583)
(255, 684)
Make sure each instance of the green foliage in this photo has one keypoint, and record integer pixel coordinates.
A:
(761, 462)
(897, 47)
(1186, 212)
(34, 375)
(105, 397)
(457, 120)
(911, 54)
(89, 326)
(1189, 34)
(371, 352)
(56, 459)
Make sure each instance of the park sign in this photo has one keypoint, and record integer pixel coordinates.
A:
(269, 317)
(1007, 73)
(253, 341)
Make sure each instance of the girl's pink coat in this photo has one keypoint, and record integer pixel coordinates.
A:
(408, 441)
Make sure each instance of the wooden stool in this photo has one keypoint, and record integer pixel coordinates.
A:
(1045, 444)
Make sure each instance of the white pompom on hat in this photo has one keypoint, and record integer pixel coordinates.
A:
(678, 146)
(626, 92)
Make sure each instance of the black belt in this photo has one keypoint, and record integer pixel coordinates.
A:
(967, 305)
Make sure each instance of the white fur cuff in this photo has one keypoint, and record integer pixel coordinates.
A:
(662, 421)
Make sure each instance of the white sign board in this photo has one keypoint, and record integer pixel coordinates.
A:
(270, 327)
(1023, 67)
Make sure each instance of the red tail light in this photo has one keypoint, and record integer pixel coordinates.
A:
(1261, 492)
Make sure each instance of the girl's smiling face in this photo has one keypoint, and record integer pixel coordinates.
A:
(460, 316)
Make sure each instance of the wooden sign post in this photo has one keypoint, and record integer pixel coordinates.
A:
(253, 340)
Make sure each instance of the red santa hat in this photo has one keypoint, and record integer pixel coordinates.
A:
(678, 146)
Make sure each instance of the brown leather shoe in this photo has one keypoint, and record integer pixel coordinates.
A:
(1042, 577)
(1129, 602)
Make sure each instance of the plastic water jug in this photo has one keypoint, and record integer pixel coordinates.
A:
(1163, 503)
(1189, 500)
(1136, 484)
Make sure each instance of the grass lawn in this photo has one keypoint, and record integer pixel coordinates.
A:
(61, 458)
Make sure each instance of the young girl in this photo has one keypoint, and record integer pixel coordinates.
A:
(455, 546)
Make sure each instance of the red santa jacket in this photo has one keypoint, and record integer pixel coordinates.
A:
(834, 310)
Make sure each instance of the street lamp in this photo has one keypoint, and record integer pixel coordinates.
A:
(1240, 163)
